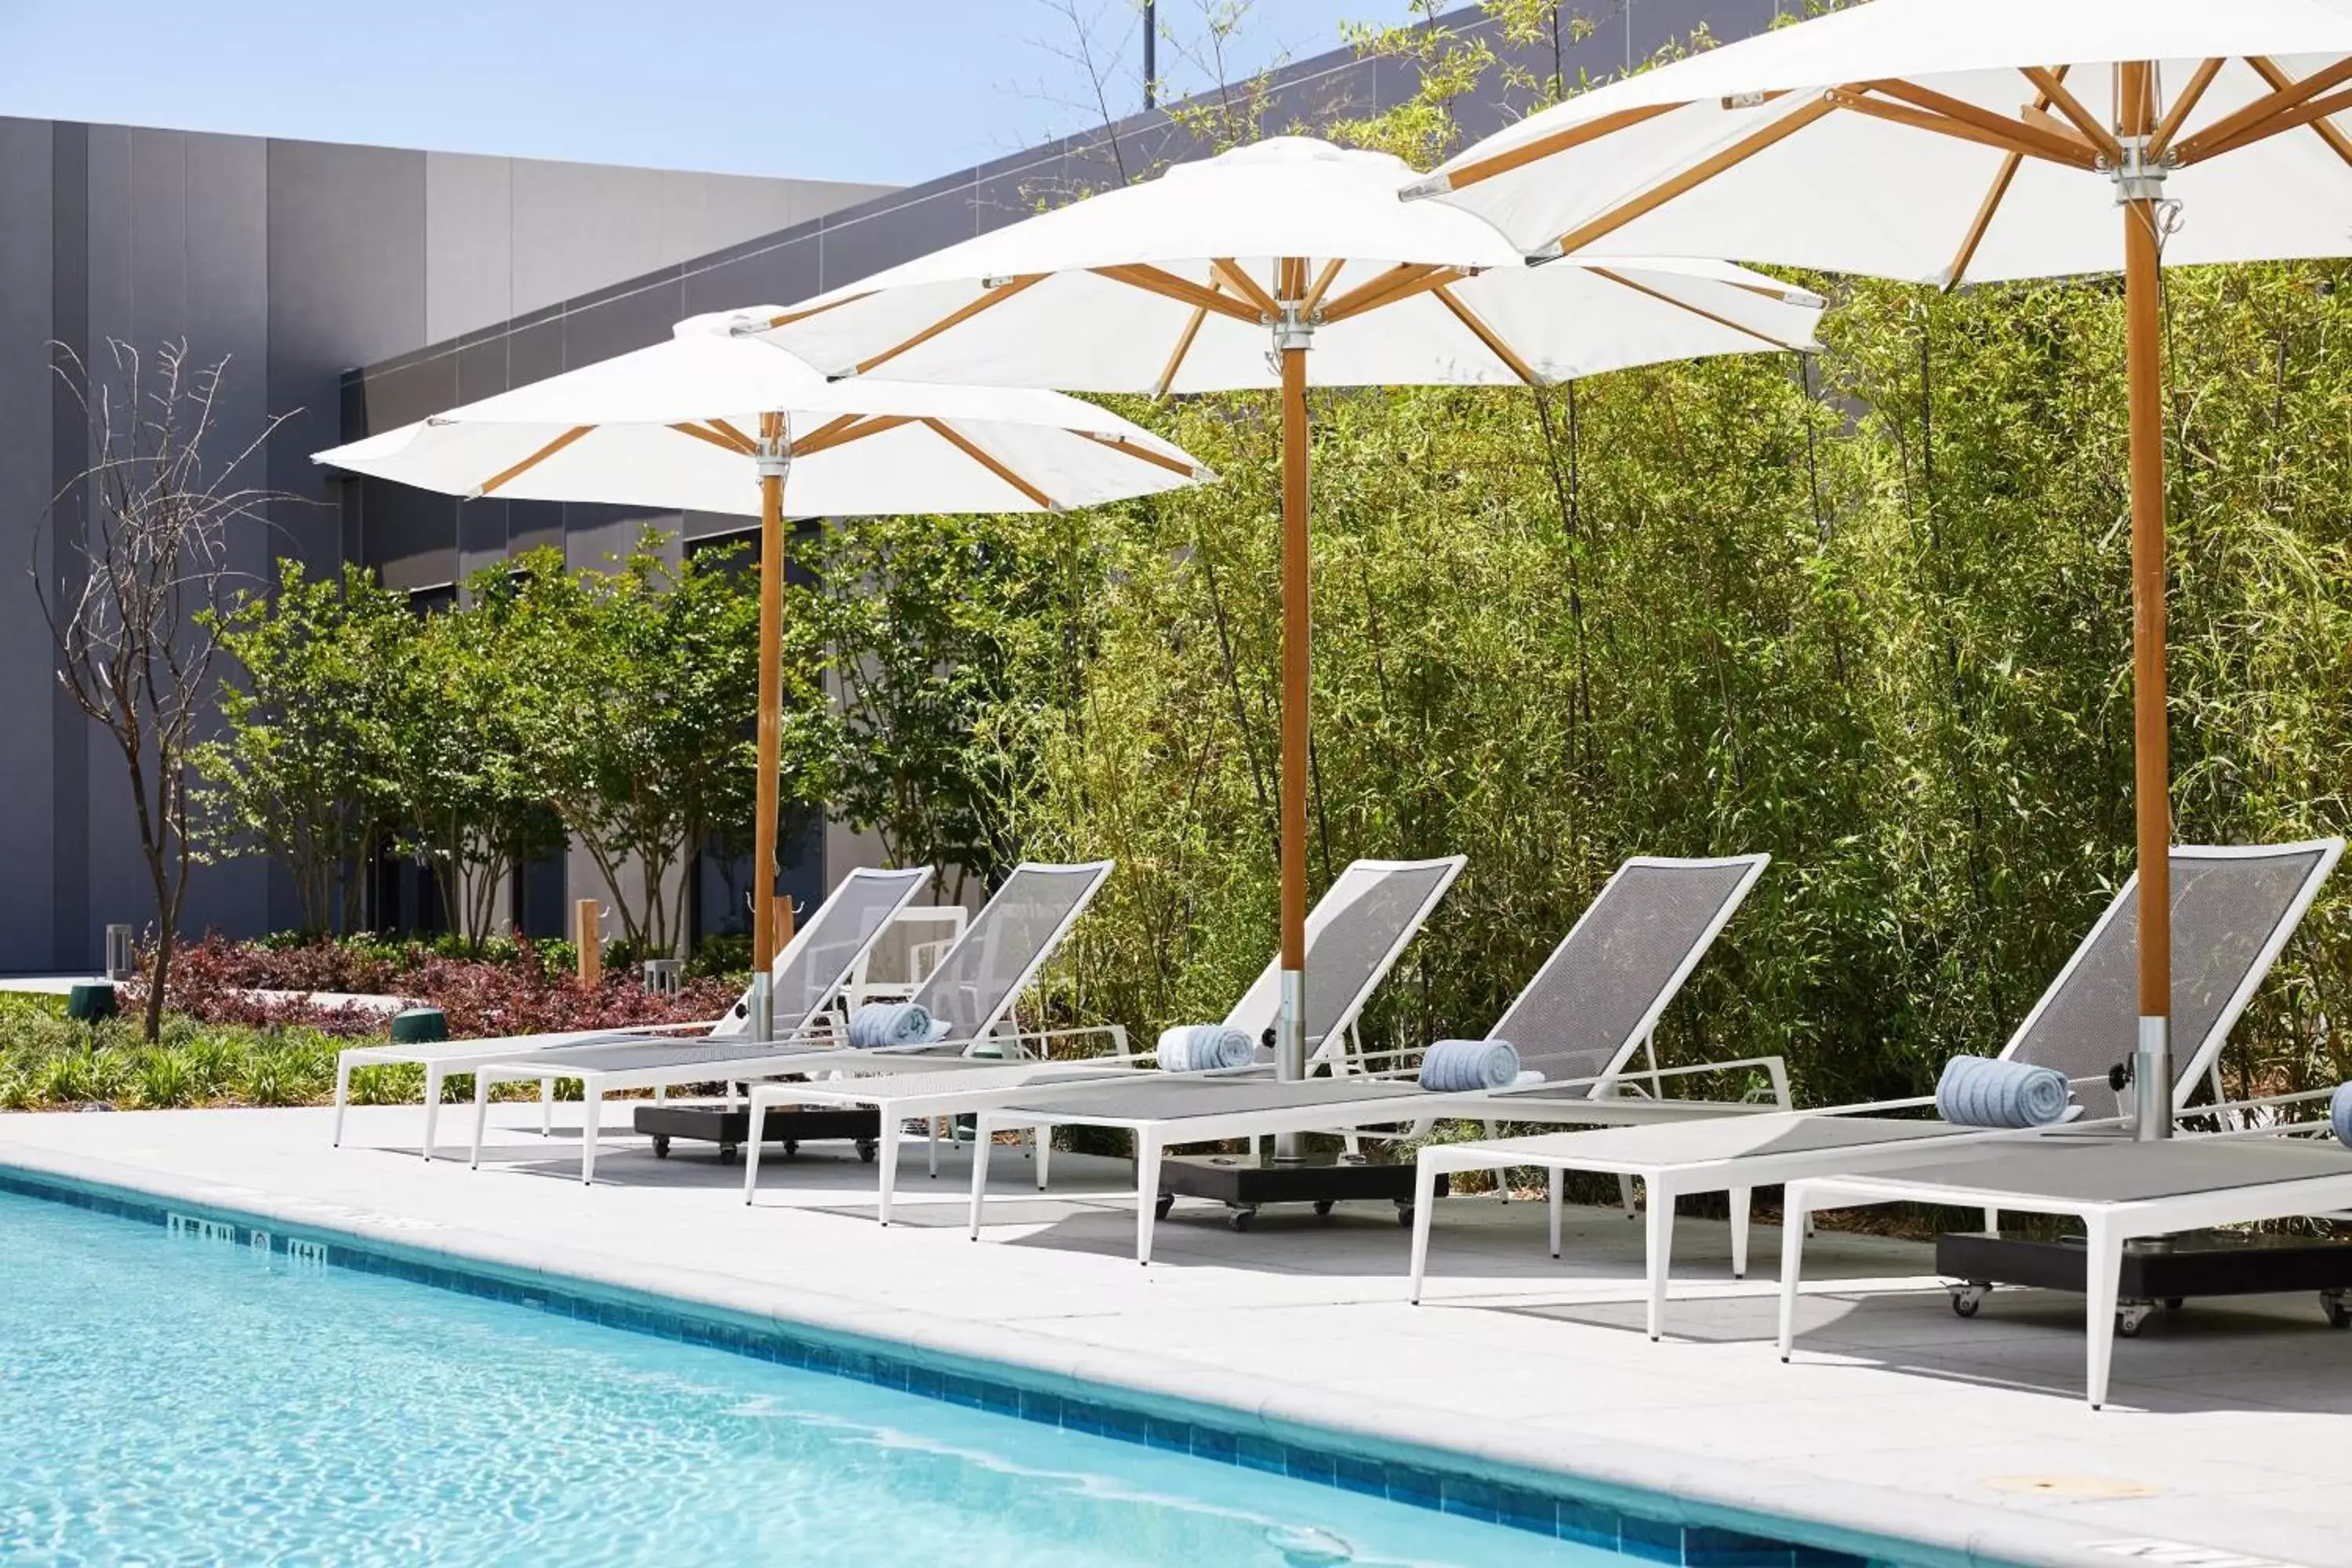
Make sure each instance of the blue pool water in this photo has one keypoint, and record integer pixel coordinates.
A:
(174, 1396)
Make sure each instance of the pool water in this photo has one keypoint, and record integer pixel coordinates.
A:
(168, 1398)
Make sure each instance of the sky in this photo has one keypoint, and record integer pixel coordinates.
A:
(893, 91)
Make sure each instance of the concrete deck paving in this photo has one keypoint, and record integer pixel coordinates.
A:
(2229, 1443)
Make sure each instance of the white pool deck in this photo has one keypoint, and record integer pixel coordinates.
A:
(2229, 1443)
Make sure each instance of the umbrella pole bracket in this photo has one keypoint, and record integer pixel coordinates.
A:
(2137, 176)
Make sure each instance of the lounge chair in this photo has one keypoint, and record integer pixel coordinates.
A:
(2234, 910)
(806, 974)
(2120, 1189)
(1576, 1026)
(968, 995)
(1354, 934)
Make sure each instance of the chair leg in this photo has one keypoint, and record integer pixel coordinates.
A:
(1424, 1188)
(2103, 1256)
(591, 1105)
(342, 1096)
(1626, 1196)
(983, 1138)
(886, 1155)
(1556, 1200)
(1147, 1193)
(751, 1154)
(1662, 1253)
(1740, 1202)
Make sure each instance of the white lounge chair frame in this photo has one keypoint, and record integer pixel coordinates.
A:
(440, 1059)
(1384, 1098)
(939, 1090)
(1675, 1162)
(2108, 1226)
(787, 1055)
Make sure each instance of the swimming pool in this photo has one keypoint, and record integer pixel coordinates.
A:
(180, 1393)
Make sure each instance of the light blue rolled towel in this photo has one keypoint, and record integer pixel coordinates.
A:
(1985, 1091)
(1460, 1066)
(1204, 1048)
(880, 1023)
(2339, 1114)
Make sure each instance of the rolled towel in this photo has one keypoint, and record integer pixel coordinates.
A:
(1201, 1048)
(878, 1023)
(1985, 1091)
(1458, 1067)
(2339, 1114)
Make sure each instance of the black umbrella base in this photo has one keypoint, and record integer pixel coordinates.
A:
(790, 1125)
(2169, 1273)
(1244, 1183)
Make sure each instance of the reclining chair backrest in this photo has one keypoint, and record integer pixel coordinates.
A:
(1355, 932)
(1006, 943)
(1600, 994)
(2234, 908)
(818, 959)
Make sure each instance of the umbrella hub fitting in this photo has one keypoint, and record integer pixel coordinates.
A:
(773, 455)
(2137, 176)
(1294, 329)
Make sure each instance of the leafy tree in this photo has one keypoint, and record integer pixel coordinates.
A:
(452, 735)
(644, 681)
(296, 775)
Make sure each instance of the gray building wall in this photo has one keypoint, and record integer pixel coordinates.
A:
(296, 260)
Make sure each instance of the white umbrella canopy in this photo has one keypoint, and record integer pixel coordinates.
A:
(1184, 283)
(720, 420)
(1171, 287)
(1957, 140)
(1874, 139)
(677, 426)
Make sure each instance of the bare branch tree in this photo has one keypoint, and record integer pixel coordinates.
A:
(134, 583)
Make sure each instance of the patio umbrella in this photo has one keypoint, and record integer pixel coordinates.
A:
(1183, 284)
(1952, 141)
(716, 420)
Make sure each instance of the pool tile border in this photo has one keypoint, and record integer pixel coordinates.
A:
(1495, 1494)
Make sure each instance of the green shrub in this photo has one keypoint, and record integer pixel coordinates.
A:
(165, 1080)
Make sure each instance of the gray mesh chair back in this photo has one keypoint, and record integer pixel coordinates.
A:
(1354, 933)
(2234, 908)
(1600, 994)
(828, 946)
(1005, 944)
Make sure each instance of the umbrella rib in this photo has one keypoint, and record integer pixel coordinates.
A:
(1931, 111)
(1158, 281)
(1235, 278)
(1484, 335)
(2169, 126)
(2054, 94)
(1666, 299)
(702, 433)
(955, 317)
(788, 317)
(1991, 203)
(2337, 142)
(1143, 454)
(504, 474)
(2312, 111)
(837, 434)
(824, 433)
(2234, 129)
(1183, 346)
(1397, 284)
(743, 442)
(972, 449)
(1697, 174)
(1323, 281)
(1541, 147)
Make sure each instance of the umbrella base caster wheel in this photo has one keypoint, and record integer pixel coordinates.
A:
(661, 1146)
(2132, 1317)
(2174, 1303)
(728, 1154)
(1241, 1219)
(865, 1147)
(1404, 1213)
(1161, 1204)
(791, 1148)
(1968, 1297)
(2336, 1306)
(1323, 1208)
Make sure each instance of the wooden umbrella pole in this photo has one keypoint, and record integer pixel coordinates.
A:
(772, 640)
(1291, 337)
(2151, 776)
